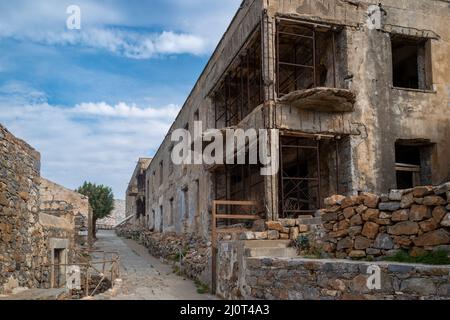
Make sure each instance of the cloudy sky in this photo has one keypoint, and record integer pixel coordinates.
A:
(94, 100)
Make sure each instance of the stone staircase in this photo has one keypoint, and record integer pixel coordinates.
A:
(269, 248)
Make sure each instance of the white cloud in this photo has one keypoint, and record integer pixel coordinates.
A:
(91, 141)
(124, 110)
(191, 27)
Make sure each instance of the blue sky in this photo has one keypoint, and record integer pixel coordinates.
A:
(94, 100)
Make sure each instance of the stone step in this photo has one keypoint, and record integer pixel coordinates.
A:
(267, 243)
(271, 252)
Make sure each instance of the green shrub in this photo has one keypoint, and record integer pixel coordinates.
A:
(439, 257)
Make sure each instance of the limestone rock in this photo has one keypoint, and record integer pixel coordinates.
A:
(361, 208)
(349, 212)
(370, 230)
(404, 228)
(384, 241)
(370, 200)
(370, 214)
(433, 238)
(428, 225)
(329, 216)
(442, 189)
(419, 212)
(389, 206)
(274, 225)
(356, 220)
(345, 243)
(288, 222)
(446, 221)
(438, 213)
(434, 201)
(302, 228)
(294, 233)
(400, 215)
(273, 235)
(261, 235)
(334, 200)
(420, 192)
(357, 254)
(284, 236)
(247, 235)
(407, 200)
(354, 231)
(362, 243)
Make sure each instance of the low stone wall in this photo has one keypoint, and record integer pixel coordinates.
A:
(242, 277)
(303, 279)
(196, 253)
(372, 226)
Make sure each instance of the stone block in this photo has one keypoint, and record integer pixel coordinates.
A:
(356, 254)
(294, 233)
(349, 212)
(356, 220)
(354, 231)
(433, 238)
(370, 230)
(407, 200)
(370, 214)
(422, 191)
(404, 228)
(446, 221)
(362, 243)
(400, 215)
(428, 225)
(274, 225)
(434, 201)
(329, 216)
(383, 241)
(389, 206)
(273, 235)
(370, 200)
(334, 200)
(345, 243)
(419, 212)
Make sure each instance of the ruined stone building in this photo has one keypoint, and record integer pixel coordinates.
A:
(136, 200)
(360, 93)
(42, 224)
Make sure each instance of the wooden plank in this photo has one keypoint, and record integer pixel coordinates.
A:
(234, 203)
(237, 216)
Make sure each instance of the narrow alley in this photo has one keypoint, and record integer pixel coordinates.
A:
(144, 276)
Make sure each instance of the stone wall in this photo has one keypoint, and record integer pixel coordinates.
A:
(297, 278)
(22, 249)
(37, 218)
(369, 225)
(61, 202)
(303, 279)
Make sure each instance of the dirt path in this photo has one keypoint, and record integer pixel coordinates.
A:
(144, 276)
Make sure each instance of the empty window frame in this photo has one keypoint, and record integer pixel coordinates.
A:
(161, 172)
(240, 90)
(411, 62)
(413, 163)
(306, 56)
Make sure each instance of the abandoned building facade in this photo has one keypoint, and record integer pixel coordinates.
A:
(359, 91)
(42, 224)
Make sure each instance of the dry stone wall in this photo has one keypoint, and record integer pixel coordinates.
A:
(36, 216)
(369, 225)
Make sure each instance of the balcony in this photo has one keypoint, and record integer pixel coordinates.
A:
(321, 99)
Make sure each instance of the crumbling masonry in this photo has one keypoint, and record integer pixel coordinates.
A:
(359, 91)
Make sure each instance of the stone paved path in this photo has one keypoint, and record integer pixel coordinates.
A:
(144, 276)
